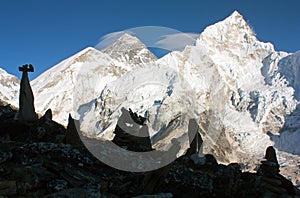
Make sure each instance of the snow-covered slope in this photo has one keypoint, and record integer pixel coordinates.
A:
(289, 68)
(226, 66)
(239, 100)
(80, 78)
(130, 50)
(9, 88)
(59, 88)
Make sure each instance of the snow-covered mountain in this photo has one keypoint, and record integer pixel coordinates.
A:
(240, 98)
(130, 50)
(243, 94)
(245, 106)
(9, 87)
(60, 87)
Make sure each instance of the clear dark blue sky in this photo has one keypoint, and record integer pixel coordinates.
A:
(44, 32)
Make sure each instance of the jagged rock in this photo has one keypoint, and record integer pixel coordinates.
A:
(48, 114)
(135, 137)
(45, 129)
(72, 136)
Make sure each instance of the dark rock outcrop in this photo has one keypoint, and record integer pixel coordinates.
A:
(131, 133)
(35, 165)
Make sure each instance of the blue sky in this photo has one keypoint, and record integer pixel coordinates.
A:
(44, 32)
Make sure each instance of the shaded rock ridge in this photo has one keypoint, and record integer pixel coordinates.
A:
(35, 161)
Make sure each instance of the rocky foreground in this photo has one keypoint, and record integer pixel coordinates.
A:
(43, 159)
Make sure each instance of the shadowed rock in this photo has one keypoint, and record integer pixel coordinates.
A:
(131, 133)
(26, 98)
(195, 139)
(271, 179)
(72, 136)
(271, 155)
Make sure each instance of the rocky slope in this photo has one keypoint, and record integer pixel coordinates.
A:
(43, 159)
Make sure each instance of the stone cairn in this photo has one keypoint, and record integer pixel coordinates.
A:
(26, 98)
(271, 180)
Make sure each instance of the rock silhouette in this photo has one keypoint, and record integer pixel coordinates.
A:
(26, 98)
(195, 139)
(134, 137)
(274, 182)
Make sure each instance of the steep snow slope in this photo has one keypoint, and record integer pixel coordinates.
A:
(59, 87)
(289, 68)
(9, 88)
(288, 140)
(79, 79)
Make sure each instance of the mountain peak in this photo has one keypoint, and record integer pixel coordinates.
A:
(237, 19)
(236, 14)
(131, 50)
(233, 33)
(129, 38)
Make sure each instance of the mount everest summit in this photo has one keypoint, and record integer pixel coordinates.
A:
(243, 94)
